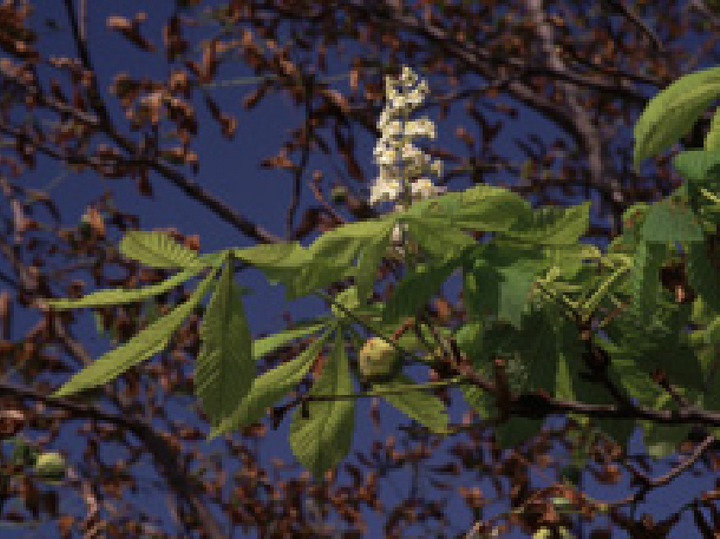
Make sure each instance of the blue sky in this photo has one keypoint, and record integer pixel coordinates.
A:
(230, 170)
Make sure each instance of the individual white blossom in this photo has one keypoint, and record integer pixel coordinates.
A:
(415, 161)
(408, 77)
(386, 156)
(398, 101)
(389, 172)
(437, 167)
(411, 153)
(398, 234)
(385, 190)
(387, 143)
(390, 84)
(415, 97)
(385, 117)
(424, 188)
(423, 127)
(392, 129)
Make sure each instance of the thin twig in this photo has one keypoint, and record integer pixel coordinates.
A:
(630, 14)
(650, 483)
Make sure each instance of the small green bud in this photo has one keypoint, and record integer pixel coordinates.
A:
(50, 466)
(339, 194)
(561, 503)
(23, 454)
(85, 228)
(571, 474)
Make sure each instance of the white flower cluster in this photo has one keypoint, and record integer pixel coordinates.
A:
(402, 163)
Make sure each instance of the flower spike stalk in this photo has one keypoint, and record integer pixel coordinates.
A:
(404, 166)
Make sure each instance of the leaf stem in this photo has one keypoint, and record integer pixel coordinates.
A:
(394, 390)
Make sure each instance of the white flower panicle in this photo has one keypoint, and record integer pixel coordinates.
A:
(402, 164)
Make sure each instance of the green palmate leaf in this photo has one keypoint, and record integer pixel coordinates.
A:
(273, 342)
(673, 112)
(348, 310)
(620, 430)
(482, 207)
(540, 355)
(439, 238)
(702, 312)
(667, 221)
(549, 347)
(625, 374)
(331, 257)
(712, 139)
(639, 348)
(370, 259)
(473, 302)
(703, 347)
(225, 367)
(516, 430)
(552, 226)
(340, 247)
(488, 208)
(662, 440)
(414, 290)
(420, 405)
(702, 188)
(645, 277)
(121, 296)
(702, 276)
(545, 354)
(708, 335)
(633, 220)
(515, 288)
(347, 300)
(470, 341)
(150, 341)
(482, 290)
(478, 400)
(501, 280)
(152, 311)
(270, 387)
(409, 340)
(322, 439)
(629, 374)
(157, 249)
(710, 398)
(570, 259)
(215, 260)
(607, 285)
(280, 262)
(313, 277)
(469, 338)
(698, 165)
(274, 257)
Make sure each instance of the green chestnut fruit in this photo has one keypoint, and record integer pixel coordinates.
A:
(378, 360)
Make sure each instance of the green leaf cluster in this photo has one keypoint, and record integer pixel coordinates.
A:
(526, 293)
